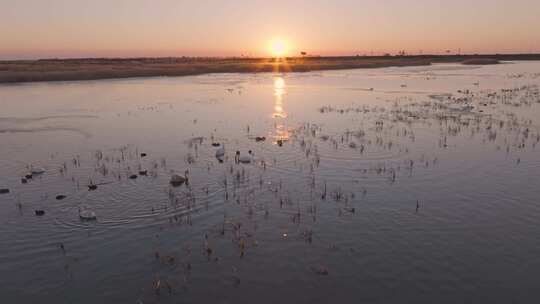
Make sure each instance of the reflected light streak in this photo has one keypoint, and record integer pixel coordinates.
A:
(280, 130)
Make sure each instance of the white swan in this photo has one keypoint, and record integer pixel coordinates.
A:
(87, 215)
(244, 159)
(220, 153)
(177, 180)
(37, 171)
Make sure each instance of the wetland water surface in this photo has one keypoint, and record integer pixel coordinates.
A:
(410, 185)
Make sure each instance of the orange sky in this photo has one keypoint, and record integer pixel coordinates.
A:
(125, 28)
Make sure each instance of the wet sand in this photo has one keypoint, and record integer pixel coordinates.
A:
(101, 68)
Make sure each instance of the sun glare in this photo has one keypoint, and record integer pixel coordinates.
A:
(278, 48)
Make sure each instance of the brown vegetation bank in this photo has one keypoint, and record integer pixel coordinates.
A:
(108, 68)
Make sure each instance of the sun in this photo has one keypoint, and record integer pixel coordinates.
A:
(278, 48)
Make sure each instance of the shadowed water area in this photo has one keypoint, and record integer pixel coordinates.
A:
(410, 185)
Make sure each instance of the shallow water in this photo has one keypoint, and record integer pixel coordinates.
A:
(431, 178)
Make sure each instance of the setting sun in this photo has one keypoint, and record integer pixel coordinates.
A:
(391, 144)
(278, 48)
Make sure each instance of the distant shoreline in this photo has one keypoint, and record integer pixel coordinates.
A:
(113, 68)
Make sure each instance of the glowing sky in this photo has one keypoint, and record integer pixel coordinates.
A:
(82, 28)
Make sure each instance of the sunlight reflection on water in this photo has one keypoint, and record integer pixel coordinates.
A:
(348, 155)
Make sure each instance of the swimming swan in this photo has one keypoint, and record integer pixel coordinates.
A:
(220, 153)
(87, 215)
(178, 180)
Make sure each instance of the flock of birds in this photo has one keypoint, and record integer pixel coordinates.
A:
(387, 127)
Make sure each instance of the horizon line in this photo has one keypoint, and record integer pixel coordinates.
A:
(69, 58)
